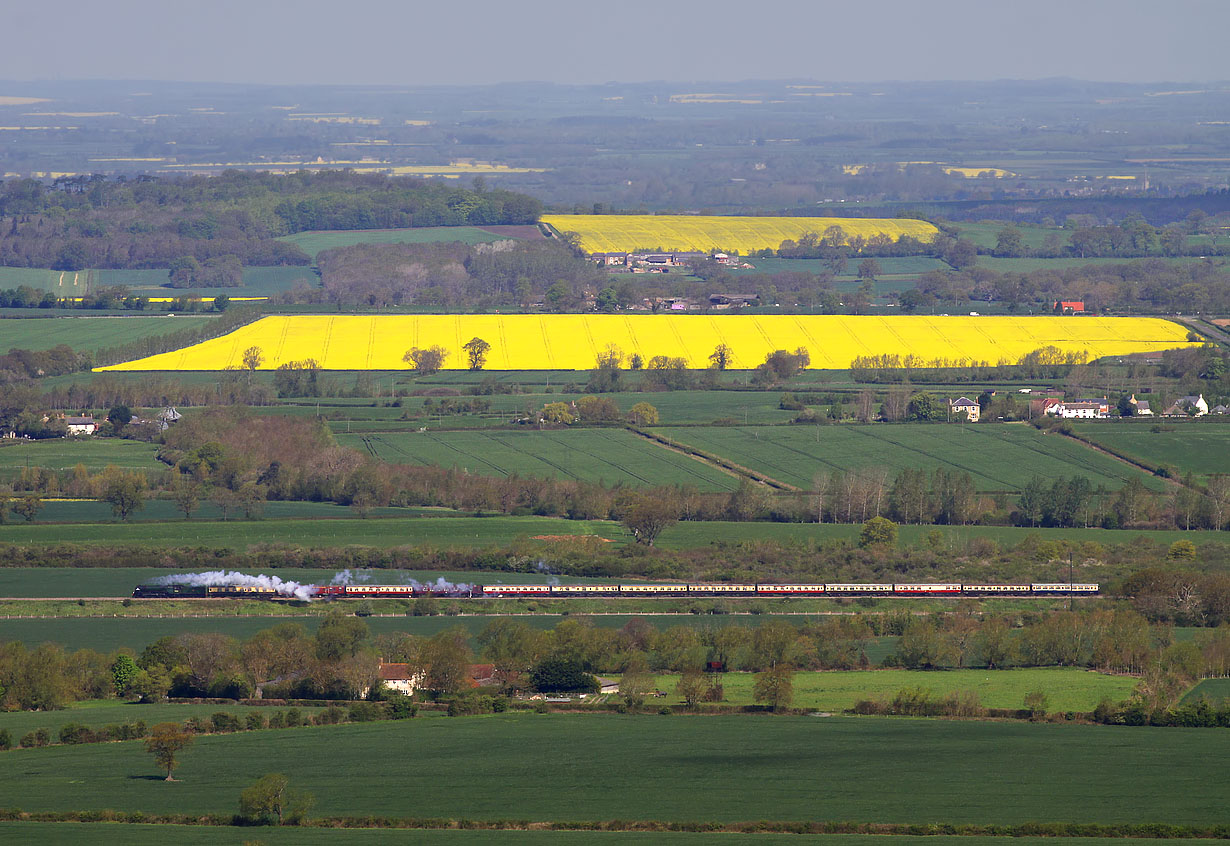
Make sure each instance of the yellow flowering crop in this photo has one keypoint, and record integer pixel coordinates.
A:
(573, 341)
(610, 233)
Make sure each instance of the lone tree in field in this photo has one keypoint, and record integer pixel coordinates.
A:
(878, 531)
(426, 361)
(270, 800)
(476, 349)
(166, 740)
(126, 494)
(29, 506)
(253, 358)
(647, 516)
(721, 357)
(775, 687)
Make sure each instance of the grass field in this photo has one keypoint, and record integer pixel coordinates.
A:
(1215, 689)
(108, 633)
(684, 233)
(500, 530)
(87, 333)
(313, 242)
(164, 510)
(613, 456)
(1066, 689)
(998, 457)
(102, 712)
(257, 282)
(1197, 447)
(67, 453)
(521, 342)
(986, 234)
(1028, 265)
(105, 834)
(548, 767)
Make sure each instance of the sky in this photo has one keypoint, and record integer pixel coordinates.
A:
(462, 42)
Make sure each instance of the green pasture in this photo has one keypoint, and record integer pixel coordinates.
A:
(257, 282)
(998, 457)
(1197, 447)
(102, 712)
(313, 533)
(105, 834)
(1214, 689)
(614, 456)
(1029, 265)
(561, 767)
(313, 242)
(165, 510)
(62, 283)
(1066, 688)
(985, 234)
(87, 333)
(67, 453)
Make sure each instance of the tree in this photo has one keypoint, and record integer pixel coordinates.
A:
(1036, 703)
(562, 675)
(869, 268)
(476, 351)
(634, 687)
(124, 672)
(643, 414)
(446, 660)
(1009, 243)
(721, 357)
(427, 361)
(691, 687)
(775, 687)
(923, 407)
(271, 800)
(126, 493)
(593, 409)
(648, 516)
(557, 412)
(120, 416)
(187, 496)
(878, 531)
(253, 358)
(165, 742)
(29, 506)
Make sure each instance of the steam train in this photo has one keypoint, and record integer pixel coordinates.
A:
(175, 591)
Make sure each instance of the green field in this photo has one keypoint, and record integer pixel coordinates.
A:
(1215, 689)
(613, 456)
(984, 235)
(998, 457)
(1197, 447)
(559, 767)
(102, 712)
(1067, 689)
(87, 333)
(313, 242)
(105, 834)
(67, 453)
(257, 282)
(1029, 265)
(162, 510)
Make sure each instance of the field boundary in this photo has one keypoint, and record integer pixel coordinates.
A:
(1032, 829)
(715, 461)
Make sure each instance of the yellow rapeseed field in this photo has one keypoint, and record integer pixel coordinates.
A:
(573, 341)
(607, 233)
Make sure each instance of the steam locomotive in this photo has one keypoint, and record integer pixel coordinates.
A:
(176, 591)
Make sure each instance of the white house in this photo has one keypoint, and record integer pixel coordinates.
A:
(80, 425)
(401, 678)
(1140, 408)
(966, 406)
(1087, 409)
(1189, 406)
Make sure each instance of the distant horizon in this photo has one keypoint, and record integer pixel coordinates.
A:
(482, 42)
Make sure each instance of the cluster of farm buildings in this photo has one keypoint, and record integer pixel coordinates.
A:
(968, 410)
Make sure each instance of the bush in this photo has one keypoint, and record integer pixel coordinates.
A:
(293, 718)
(76, 733)
(255, 721)
(365, 712)
(6, 740)
(41, 737)
(402, 707)
(223, 722)
(331, 716)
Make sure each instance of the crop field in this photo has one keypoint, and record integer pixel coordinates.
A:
(1066, 689)
(613, 456)
(1215, 690)
(1196, 447)
(257, 282)
(156, 510)
(1028, 265)
(986, 234)
(998, 457)
(313, 242)
(106, 834)
(650, 767)
(67, 453)
(686, 233)
(312, 533)
(86, 333)
(573, 342)
(62, 283)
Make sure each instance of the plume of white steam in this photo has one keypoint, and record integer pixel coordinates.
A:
(227, 578)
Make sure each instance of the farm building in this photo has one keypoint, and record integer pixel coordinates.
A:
(1140, 408)
(1189, 406)
(401, 678)
(1086, 408)
(80, 426)
(966, 406)
(1069, 307)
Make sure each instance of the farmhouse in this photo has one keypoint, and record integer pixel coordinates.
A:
(1086, 408)
(80, 426)
(966, 406)
(1069, 307)
(725, 301)
(401, 678)
(1140, 408)
(1188, 406)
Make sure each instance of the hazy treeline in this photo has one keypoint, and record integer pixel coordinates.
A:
(455, 275)
(223, 221)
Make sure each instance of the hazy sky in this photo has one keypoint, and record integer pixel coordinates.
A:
(440, 42)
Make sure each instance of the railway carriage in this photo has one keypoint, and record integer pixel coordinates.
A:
(652, 590)
(517, 590)
(584, 590)
(995, 590)
(722, 589)
(790, 590)
(927, 590)
(858, 588)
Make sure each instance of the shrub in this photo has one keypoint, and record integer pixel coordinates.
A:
(402, 707)
(40, 737)
(331, 716)
(76, 733)
(365, 712)
(6, 740)
(223, 722)
(255, 721)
